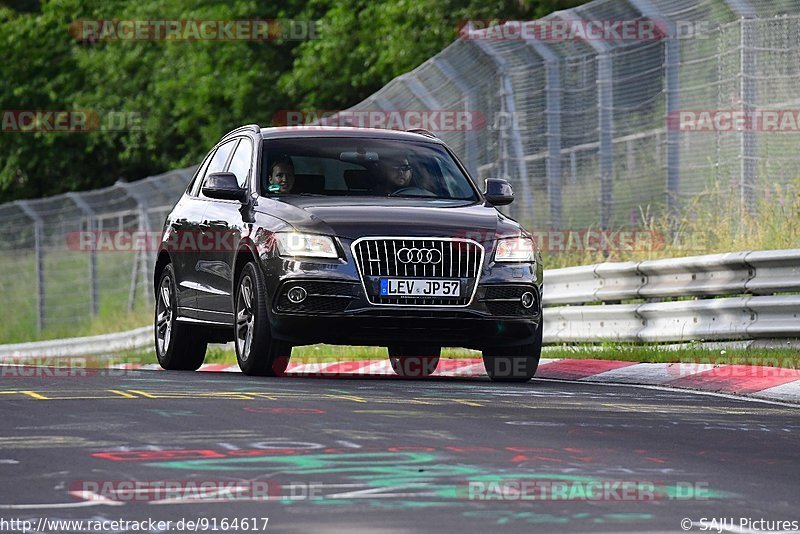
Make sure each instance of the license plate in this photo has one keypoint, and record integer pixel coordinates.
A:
(417, 287)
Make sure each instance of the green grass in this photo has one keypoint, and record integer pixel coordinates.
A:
(713, 221)
(773, 357)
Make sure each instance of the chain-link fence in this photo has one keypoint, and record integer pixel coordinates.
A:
(590, 132)
(49, 279)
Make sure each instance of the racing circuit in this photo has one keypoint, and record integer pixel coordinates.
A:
(389, 454)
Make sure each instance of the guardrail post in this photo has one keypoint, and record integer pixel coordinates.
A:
(94, 304)
(38, 244)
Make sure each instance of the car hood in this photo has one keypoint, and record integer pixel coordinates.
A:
(352, 218)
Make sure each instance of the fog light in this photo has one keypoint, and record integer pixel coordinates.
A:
(527, 299)
(297, 295)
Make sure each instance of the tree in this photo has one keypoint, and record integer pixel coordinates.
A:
(179, 97)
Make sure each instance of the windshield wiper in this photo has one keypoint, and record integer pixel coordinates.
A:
(432, 197)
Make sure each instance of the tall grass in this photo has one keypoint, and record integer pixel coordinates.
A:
(711, 222)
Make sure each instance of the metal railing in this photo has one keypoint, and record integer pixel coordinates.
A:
(719, 297)
(733, 296)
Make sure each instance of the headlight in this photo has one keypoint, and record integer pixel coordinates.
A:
(307, 245)
(515, 249)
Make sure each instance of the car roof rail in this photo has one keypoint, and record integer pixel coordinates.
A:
(249, 127)
(422, 131)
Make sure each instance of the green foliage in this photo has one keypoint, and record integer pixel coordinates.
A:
(184, 95)
(365, 44)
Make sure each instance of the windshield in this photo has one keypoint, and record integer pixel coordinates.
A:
(361, 167)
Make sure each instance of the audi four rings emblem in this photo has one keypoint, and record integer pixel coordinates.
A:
(423, 256)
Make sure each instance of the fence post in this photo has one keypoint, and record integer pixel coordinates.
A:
(91, 227)
(470, 141)
(672, 61)
(748, 41)
(553, 113)
(143, 256)
(605, 110)
(507, 102)
(605, 101)
(38, 244)
(416, 88)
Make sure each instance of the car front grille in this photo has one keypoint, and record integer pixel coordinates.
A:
(431, 258)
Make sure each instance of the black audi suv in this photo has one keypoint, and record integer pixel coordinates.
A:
(350, 236)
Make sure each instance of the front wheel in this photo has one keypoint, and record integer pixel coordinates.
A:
(178, 346)
(257, 352)
(514, 364)
(414, 362)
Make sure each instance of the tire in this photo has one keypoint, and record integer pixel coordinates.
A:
(178, 346)
(414, 361)
(514, 364)
(257, 352)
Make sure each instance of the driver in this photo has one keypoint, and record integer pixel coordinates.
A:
(396, 176)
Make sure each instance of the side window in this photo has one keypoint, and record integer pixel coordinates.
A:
(219, 159)
(240, 164)
(194, 187)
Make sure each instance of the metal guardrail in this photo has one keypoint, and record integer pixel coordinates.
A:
(734, 296)
(109, 344)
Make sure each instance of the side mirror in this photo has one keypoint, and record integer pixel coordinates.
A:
(223, 185)
(498, 192)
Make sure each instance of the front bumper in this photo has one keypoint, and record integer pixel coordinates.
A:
(337, 310)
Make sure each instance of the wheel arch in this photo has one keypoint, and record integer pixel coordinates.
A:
(244, 254)
(162, 261)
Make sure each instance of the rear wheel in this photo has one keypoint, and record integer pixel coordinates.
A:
(514, 364)
(414, 361)
(257, 352)
(178, 346)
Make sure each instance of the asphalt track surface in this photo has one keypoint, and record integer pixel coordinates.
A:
(388, 455)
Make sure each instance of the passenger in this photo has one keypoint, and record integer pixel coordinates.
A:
(281, 174)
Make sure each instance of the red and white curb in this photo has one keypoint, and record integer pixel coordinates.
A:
(771, 383)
